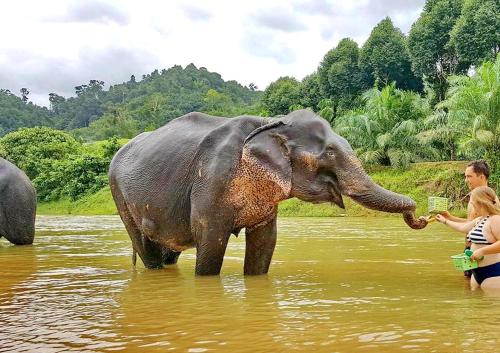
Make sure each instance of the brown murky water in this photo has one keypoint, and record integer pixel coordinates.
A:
(335, 285)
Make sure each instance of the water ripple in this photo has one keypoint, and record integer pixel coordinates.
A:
(338, 284)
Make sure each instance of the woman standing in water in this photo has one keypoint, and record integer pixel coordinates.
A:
(484, 234)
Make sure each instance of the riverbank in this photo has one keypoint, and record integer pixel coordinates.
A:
(418, 182)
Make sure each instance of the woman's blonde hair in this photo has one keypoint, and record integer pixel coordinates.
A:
(486, 198)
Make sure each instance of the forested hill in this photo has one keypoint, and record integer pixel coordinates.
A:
(130, 107)
(15, 113)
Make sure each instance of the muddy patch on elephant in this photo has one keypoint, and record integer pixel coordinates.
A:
(255, 191)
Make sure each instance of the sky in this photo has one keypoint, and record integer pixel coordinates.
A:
(55, 45)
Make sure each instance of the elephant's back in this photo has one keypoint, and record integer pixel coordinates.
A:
(161, 162)
(14, 180)
(184, 133)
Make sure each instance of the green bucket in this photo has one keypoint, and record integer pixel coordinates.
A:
(463, 262)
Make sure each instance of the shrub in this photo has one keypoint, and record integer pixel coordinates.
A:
(32, 149)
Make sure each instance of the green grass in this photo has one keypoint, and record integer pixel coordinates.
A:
(100, 203)
(418, 182)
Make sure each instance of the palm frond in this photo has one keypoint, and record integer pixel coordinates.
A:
(485, 137)
(371, 156)
(384, 139)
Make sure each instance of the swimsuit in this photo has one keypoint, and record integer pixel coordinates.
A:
(481, 273)
(476, 236)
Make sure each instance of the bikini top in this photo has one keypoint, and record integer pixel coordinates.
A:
(476, 235)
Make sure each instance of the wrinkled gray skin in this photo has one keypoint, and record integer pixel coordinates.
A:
(199, 179)
(17, 205)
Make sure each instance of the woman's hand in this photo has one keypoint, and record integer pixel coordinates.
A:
(440, 218)
(477, 255)
(445, 214)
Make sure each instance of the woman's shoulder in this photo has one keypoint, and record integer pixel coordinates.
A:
(494, 221)
(495, 218)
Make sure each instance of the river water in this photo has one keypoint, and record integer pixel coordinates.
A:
(335, 285)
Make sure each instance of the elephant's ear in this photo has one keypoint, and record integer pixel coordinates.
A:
(267, 154)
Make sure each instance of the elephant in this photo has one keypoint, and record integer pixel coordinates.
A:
(199, 178)
(17, 205)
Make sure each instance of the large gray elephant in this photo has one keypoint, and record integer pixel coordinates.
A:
(199, 179)
(17, 205)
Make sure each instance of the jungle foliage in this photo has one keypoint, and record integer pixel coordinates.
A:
(57, 164)
(432, 95)
(16, 113)
(131, 107)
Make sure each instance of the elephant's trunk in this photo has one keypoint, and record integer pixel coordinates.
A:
(356, 184)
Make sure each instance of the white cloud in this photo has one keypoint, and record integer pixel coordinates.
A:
(196, 13)
(279, 18)
(56, 45)
(92, 11)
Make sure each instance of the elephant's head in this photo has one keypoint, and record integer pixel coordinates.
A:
(311, 162)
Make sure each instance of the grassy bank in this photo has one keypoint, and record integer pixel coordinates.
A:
(419, 181)
(100, 203)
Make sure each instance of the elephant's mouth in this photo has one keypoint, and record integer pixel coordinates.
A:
(336, 196)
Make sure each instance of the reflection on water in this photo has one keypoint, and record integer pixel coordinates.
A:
(335, 285)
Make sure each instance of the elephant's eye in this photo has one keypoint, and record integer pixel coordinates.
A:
(330, 152)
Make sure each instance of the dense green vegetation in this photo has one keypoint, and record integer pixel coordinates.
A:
(58, 165)
(16, 113)
(384, 130)
(431, 96)
(380, 68)
(419, 181)
(131, 107)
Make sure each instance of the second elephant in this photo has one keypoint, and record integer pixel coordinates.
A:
(17, 205)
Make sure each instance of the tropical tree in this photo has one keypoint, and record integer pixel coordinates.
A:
(24, 94)
(476, 34)
(473, 105)
(384, 131)
(440, 132)
(326, 110)
(151, 112)
(384, 57)
(16, 113)
(216, 103)
(340, 78)
(157, 99)
(116, 122)
(431, 52)
(310, 91)
(280, 95)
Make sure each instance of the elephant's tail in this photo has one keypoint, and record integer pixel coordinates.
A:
(134, 257)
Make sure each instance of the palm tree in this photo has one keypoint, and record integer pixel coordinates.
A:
(473, 105)
(438, 131)
(385, 130)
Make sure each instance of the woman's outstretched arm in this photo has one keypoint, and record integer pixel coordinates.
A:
(462, 227)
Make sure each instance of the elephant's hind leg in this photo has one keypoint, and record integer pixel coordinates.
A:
(260, 243)
(170, 257)
(152, 254)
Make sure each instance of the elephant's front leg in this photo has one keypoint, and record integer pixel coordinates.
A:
(211, 242)
(260, 243)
